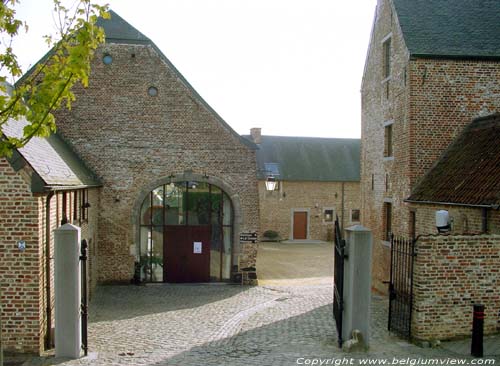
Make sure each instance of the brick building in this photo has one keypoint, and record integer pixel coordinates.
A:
(173, 186)
(41, 184)
(317, 180)
(432, 67)
(465, 181)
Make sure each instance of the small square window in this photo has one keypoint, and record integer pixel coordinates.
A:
(386, 64)
(355, 215)
(328, 215)
(388, 140)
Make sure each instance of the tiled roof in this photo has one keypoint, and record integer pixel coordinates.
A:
(55, 163)
(310, 158)
(468, 173)
(456, 28)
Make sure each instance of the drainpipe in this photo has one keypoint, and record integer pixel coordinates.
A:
(342, 211)
(48, 336)
(484, 220)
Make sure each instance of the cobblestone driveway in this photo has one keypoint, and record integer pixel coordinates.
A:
(224, 325)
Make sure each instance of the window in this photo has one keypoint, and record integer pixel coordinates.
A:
(387, 221)
(64, 219)
(388, 140)
(84, 204)
(373, 182)
(386, 72)
(413, 219)
(355, 215)
(328, 215)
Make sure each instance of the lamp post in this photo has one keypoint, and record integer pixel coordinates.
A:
(271, 183)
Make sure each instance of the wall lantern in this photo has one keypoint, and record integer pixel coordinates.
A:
(271, 183)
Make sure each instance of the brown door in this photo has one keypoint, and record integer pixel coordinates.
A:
(300, 225)
(185, 259)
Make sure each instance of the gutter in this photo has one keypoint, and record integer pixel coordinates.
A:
(495, 207)
(71, 188)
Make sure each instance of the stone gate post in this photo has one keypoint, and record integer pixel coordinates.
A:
(67, 287)
(357, 283)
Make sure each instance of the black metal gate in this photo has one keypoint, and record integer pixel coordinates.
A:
(401, 286)
(84, 304)
(338, 279)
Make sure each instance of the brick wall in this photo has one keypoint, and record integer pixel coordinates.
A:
(451, 274)
(131, 139)
(19, 270)
(384, 101)
(464, 220)
(88, 231)
(277, 207)
(428, 102)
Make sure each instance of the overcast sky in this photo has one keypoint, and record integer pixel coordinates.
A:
(291, 67)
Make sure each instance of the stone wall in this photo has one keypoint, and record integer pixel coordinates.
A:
(131, 139)
(428, 102)
(20, 286)
(451, 274)
(277, 207)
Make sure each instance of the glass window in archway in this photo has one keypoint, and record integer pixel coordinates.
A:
(186, 231)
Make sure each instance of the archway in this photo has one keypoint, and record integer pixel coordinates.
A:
(186, 230)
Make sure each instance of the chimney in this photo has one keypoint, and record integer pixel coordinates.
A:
(255, 133)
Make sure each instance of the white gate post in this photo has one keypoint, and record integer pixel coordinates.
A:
(357, 283)
(67, 280)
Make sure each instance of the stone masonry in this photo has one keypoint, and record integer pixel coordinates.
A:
(451, 274)
(133, 140)
(427, 102)
(277, 207)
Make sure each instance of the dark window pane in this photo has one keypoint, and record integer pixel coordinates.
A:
(199, 204)
(157, 207)
(175, 197)
(146, 211)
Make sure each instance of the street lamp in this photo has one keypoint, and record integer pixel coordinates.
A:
(271, 183)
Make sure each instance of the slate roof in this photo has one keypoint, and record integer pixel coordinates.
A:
(119, 30)
(468, 173)
(450, 28)
(310, 158)
(54, 162)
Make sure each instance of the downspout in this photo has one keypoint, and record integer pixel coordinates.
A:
(48, 336)
(342, 210)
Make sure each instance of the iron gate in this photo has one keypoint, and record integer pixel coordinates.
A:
(84, 304)
(401, 285)
(338, 279)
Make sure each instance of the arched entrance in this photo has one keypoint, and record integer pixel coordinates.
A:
(186, 233)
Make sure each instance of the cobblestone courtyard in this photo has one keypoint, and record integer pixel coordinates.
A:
(163, 324)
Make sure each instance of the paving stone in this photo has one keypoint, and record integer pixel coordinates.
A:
(226, 325)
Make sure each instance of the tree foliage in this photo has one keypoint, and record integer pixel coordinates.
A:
(47, 86)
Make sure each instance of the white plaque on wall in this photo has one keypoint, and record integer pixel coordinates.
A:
(197, 247)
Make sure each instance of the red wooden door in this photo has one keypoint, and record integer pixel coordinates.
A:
(181, 263)
(300, 225)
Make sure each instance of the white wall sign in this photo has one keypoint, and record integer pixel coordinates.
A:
(197, 247)
(21, 244)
